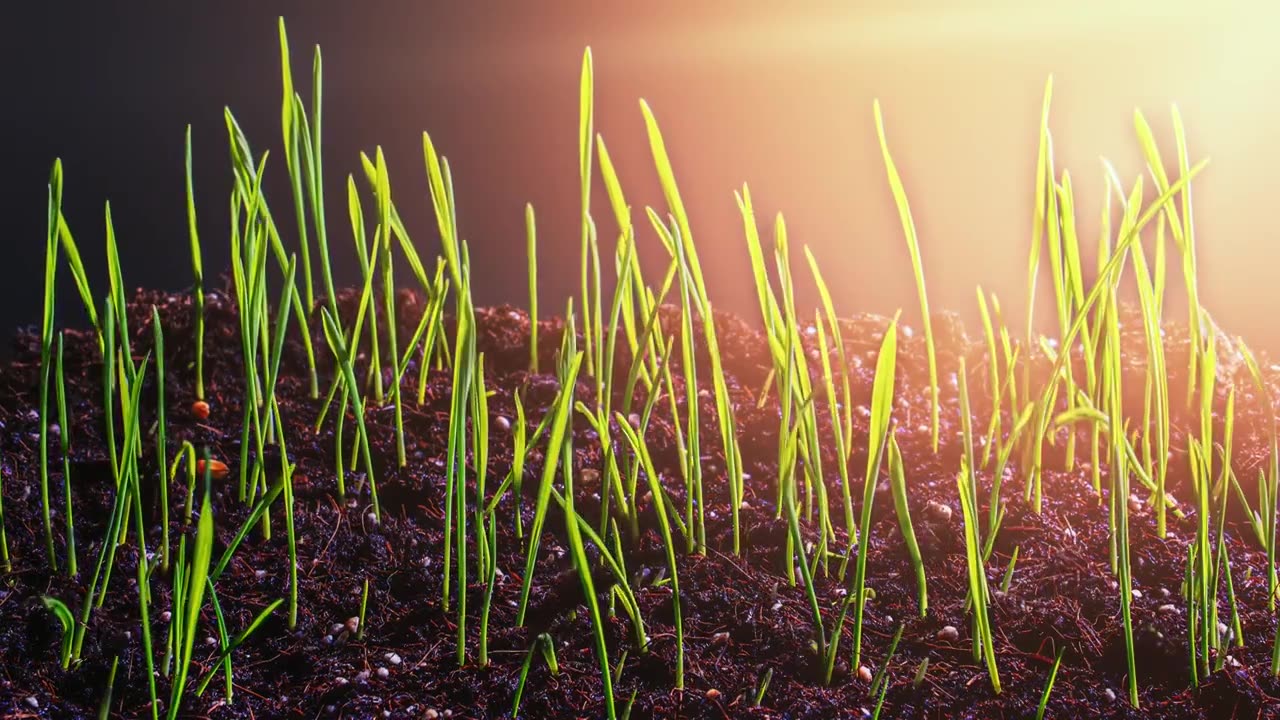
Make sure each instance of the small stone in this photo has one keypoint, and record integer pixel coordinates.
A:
(1167, 609)
(372, 518)
(362, 677)
(259, 574)
(1111, 694)
(1164, 592)
(33, 702)
(339, 681)
(940, 511)
(431, 714)
(720, 638)
(353, 624)
(393, 658)
(336, 628)
(502, 423)
(949, 633)
(383, 673)
(166, 616)
(1137, 594)
(328, 639)
(211, 640)
(864, 673)
(1135, 504)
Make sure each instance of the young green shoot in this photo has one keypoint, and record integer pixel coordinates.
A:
(913, 246)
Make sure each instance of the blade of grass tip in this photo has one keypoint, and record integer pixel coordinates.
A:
(913, 246)
(291, 132)
(531, 252)
(46, 351)
(1048, 688)
(585, 133)
(72, 253)
(162, 445)
(64, 439)
(197, 293)
(389, 296)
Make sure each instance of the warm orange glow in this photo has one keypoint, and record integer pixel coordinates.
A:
(783, 101)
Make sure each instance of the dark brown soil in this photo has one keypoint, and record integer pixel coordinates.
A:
(741, 616)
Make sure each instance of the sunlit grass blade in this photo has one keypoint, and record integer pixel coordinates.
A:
(913, 246)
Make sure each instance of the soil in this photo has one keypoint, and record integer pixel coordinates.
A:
(742, 618)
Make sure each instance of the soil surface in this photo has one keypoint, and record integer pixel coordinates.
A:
(742, 618)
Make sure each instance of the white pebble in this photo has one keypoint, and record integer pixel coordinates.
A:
(1111, 695)
(430, 714)
(1168, 609)
(383, 673)
(211, 640)
(339, 681)
(864, 673)
(393, 658)
(502, 423)
(166, 616)
(33, 702)
(362, 677)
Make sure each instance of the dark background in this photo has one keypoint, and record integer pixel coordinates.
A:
(744, 92)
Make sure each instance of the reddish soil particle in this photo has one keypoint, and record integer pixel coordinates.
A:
(741, 616)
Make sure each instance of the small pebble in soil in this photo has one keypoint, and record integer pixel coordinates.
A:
(864, 673)
(259, 574)
(502, 423)
(166, 616)
(383, 673)
(362, 677)
(210, 640)
(948, 634)
(431, 714)
(328, 639)
(940, 511)
(720, 637)
(393, 658)
(339, 681)
(1137, 594)
(1111, 695)
(353, 624)
(1168, 609)
(33, 702)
